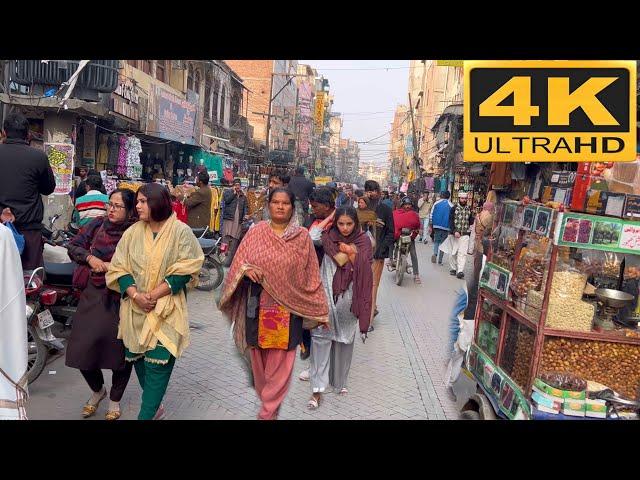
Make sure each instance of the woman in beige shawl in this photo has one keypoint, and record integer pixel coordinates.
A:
(154, 263)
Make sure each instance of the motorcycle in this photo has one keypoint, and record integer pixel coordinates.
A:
(399, 261)
(39, 321)
(211, 274)
(58, 272)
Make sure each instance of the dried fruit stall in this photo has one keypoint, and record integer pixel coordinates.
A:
(557, 324)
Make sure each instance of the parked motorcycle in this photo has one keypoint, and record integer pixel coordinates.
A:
(211, 274)
(399, 262)
(58, 236)
(39, 321)
(58, 270)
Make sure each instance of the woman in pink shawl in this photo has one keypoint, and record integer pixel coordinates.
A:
(273, 285)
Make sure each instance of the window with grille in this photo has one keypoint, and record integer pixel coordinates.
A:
(160, 70)
(207, 97)
(190, 77)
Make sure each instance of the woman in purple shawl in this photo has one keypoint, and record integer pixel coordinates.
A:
(347, 279)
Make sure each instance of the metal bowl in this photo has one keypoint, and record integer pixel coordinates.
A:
(613, 298)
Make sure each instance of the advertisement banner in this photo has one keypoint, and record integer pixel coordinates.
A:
(539, 111)
(305, 120)
(449, 63)
(60, 157)
(319, 113)
(598, 233)
(496, 279)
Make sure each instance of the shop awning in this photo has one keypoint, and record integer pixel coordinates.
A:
(75, 105)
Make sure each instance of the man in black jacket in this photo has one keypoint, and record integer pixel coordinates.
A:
(234, 213)
(384, 237)
(460, 222)
(301, 188)
(26, 174)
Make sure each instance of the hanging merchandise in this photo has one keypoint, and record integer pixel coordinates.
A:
(114, 149)
(429, 184)
(103, 152)
(122, 156)
(134, 149)
(110, 184)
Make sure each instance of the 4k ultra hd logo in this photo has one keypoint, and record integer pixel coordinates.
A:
(549, 111)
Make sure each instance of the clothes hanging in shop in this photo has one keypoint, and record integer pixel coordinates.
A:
(429, 183)
(122, 156)
(103, 151)
(500, 177)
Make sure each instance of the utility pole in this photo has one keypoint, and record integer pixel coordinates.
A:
(415, 150)
(272, 98)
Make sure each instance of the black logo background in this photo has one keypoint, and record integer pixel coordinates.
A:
(485, 81)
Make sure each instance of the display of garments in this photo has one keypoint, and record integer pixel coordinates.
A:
(134, 149)
(122, 156)
(500, 175)
(429, 183)
(114, 149)
(103, 151)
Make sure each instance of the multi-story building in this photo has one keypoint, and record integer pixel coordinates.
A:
(273, 98)
(401, 142)
(306, 93)
(435, 89)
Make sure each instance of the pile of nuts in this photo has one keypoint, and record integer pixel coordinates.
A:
(529, 274)
(616, 365)
(533, 307)
(566, 309)
(519, 343)
(570, 314)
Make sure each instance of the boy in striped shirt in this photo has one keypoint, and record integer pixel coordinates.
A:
(91, 205)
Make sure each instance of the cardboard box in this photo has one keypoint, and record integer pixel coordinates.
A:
(556, 392)
(544, 400)
(597, 407)
(544, 388)
(542, 408)
(574, 408)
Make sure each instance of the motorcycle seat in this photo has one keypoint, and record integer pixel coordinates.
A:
(59, 273)
(198, 231)
(206, 243)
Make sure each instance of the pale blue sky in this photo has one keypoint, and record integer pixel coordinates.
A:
(361, 87)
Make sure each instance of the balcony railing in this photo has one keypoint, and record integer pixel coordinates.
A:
(99, 75)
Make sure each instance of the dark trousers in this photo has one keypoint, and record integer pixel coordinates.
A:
(233, 246)
(33, 249)
(306, 341)
(119, 381)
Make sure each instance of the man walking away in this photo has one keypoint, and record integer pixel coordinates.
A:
(93, 204)
(199, 203)
(235, 211)
(424, 210)
(384, 240)
(439, 220)
(301, 188)
(26, 174)
(460, 221)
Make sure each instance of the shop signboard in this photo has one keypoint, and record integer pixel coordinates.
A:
(125, 99)
(322, 180)
(175, 118)
(60, 157)
(496, 279)
(318, 115)
(598, 233)
(450, 63)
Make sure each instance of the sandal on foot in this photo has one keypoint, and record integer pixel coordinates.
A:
(343, 391)
(90, 409)
(417, 279)
(313, 403)
(113, 415)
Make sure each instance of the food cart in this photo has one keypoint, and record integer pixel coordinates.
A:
(556, 327)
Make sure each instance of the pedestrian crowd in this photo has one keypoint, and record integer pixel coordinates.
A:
(305, 265)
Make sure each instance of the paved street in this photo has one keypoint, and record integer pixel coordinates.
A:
(397, 374)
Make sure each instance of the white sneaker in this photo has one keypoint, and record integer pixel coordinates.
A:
(304, 375)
